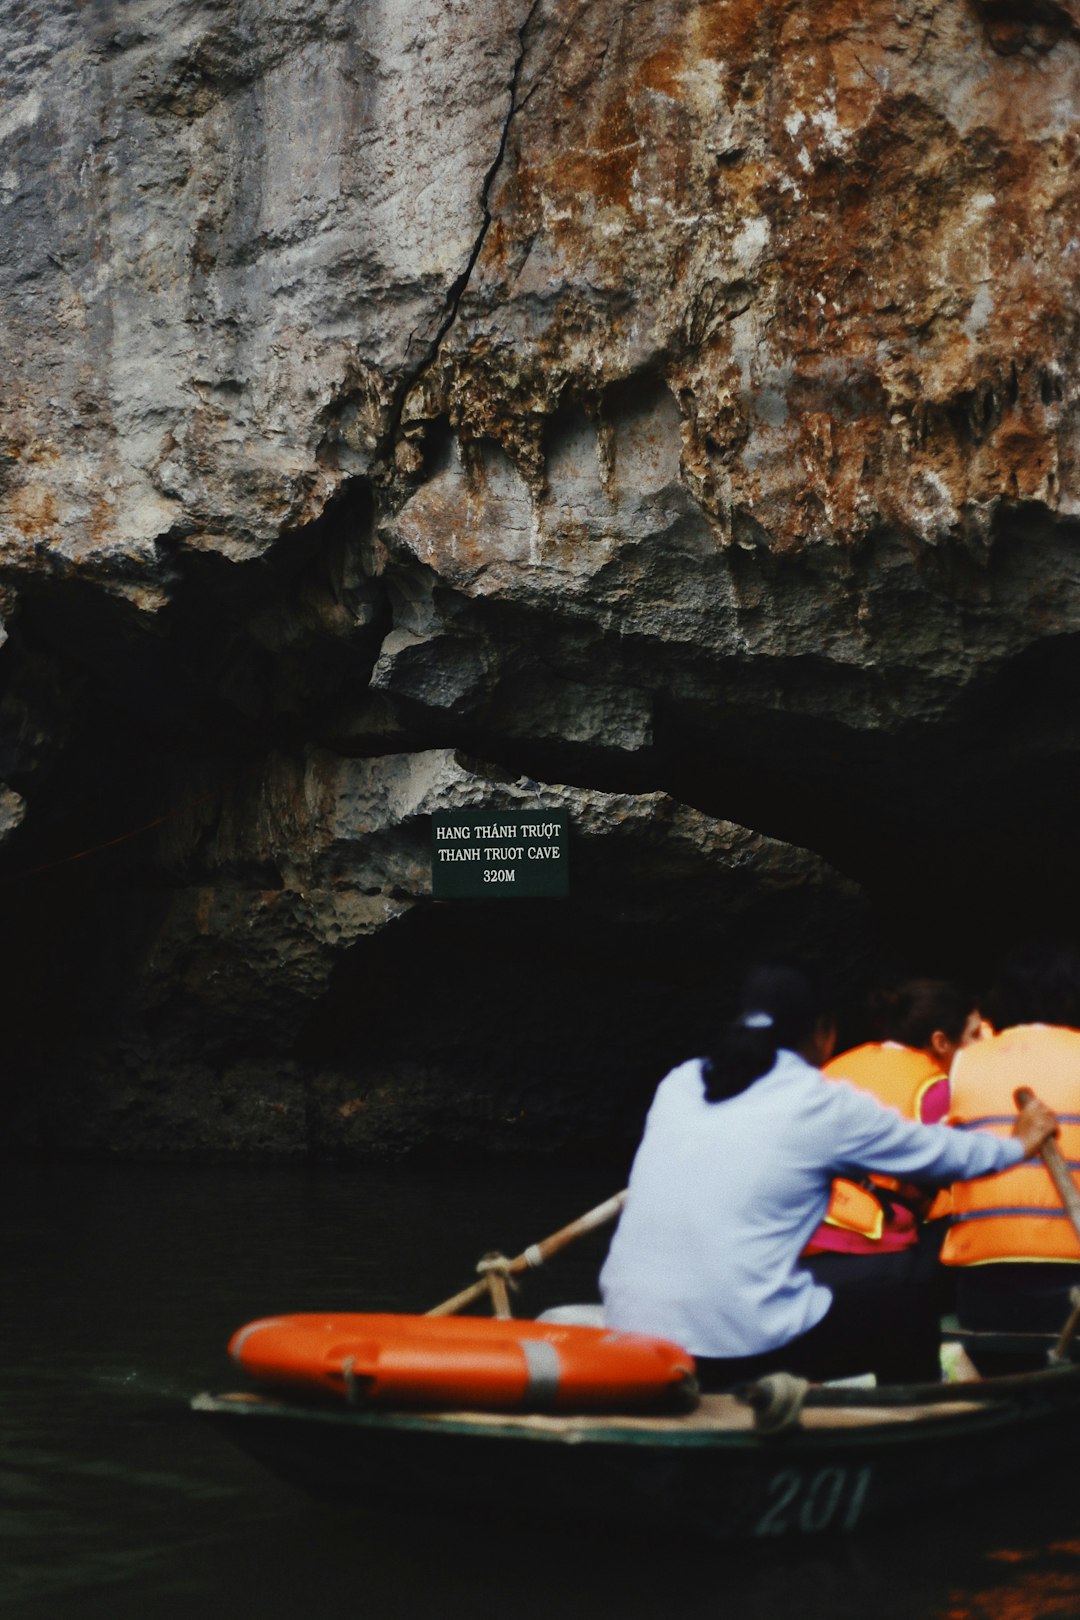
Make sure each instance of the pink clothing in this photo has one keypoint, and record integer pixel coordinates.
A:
(901, 1228)
(935, 1102)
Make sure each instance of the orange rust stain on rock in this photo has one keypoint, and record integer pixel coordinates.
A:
(885, 221)
(729, 30)
(857, 90)
(604, 164)
(1026, 458)
(33, 512)
(663, 70)
(41, 452)
(101, 523)
(518, 209)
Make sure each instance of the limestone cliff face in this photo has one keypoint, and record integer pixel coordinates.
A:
(673, 406)
(230, 233)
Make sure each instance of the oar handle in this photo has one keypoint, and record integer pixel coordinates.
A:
(541, 1252)
(537, 1253)
(1055, 1164)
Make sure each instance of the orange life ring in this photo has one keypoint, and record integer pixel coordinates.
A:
(462, 1361)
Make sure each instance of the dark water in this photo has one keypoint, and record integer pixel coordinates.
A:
(120, 1289)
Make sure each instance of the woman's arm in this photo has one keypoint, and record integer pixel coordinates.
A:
(870, 1137)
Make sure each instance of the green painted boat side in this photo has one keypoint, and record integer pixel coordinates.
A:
(710, 1473)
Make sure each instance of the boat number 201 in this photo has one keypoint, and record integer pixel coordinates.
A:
(831, 1499)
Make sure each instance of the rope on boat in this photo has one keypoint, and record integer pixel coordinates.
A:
(493, 1262)
(777, 1401)
(497, 1273)
(775, 1408)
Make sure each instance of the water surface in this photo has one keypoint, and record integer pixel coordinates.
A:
(121, 1287)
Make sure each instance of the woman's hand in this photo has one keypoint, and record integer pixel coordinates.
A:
(1035, 1124)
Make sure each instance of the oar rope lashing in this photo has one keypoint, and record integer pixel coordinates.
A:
(497, 1271)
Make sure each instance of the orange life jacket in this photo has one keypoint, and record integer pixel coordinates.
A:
(1016, 1215)
(856, 1221)
(898, 1076)
(854, 1211)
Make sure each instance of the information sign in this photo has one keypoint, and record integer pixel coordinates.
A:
(492, 854)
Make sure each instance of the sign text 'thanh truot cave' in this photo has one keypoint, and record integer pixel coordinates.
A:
(491, 854)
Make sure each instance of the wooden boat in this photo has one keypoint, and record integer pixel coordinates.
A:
(779, 1458)
(849, 1457)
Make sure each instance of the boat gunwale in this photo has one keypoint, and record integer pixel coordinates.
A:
(867, 1425)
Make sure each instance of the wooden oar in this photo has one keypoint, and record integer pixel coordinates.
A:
(1050, 1154)
(535, 1255)
(1067, 1191)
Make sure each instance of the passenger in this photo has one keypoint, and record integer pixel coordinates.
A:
(924, 1023)
(1012, 1242)
(732, 1177)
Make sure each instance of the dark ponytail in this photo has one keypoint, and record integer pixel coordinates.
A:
(778, 1007)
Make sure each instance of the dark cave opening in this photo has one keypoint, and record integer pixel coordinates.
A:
(961, 835)
(554, 1010)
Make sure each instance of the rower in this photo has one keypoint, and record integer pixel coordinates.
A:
(1014, 1249)
(732, 1177)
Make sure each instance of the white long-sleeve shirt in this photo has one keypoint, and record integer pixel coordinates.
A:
(723, 1198)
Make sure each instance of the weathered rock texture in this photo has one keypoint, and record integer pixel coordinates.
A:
(277, 1010)
(673, 404)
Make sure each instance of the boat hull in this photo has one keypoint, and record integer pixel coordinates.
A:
(710, 1474)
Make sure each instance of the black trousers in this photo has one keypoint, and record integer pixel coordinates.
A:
(1013, 1298)
(883, 1319)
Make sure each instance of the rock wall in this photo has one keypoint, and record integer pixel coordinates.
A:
(670, 411)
